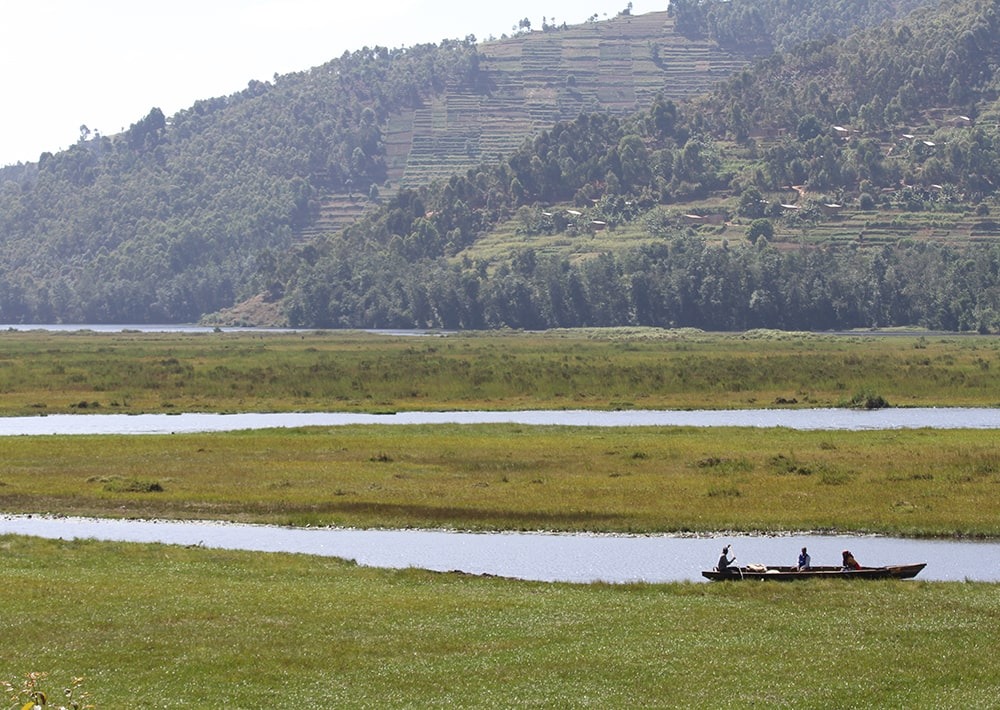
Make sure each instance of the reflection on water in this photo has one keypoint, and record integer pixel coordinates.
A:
(534, 556)
(802, 419)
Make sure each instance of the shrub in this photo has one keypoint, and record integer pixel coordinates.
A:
(132, 485)
(868, 399)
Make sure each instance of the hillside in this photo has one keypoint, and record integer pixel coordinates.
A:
(180, 215)
(529, 82)
(847, 183)
(584, 175)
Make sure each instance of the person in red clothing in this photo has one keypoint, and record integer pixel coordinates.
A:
(849, 561)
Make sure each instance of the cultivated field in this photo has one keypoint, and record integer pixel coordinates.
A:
(532, 81)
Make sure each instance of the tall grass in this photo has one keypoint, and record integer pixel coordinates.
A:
(617, 368)
(910, 482)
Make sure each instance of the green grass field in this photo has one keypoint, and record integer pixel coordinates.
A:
(166, 627)
(172, 627)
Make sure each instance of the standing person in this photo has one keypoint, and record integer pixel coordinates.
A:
(725, 561)
(804, 560)
(849, 561)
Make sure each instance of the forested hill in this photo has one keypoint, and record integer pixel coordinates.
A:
(781, 25)
(845, 183)
(176, 217)
(166, 221)
(239, 196)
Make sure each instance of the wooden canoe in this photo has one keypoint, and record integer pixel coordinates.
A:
(788, 574)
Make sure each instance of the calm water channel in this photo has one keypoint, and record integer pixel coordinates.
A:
(818, 419)
(533, 556)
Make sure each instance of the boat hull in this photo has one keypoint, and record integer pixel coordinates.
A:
(791, 574)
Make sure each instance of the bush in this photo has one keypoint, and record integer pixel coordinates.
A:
(132, 485)
(867, 399)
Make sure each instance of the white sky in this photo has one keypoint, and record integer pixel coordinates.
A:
(106, 63)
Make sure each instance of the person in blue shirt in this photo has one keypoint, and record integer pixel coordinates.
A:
(804, 560)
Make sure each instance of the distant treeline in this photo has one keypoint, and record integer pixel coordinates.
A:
(682, 282)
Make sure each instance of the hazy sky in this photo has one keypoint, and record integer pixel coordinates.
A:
(106, 63)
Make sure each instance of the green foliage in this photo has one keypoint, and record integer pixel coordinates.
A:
(675, 153)
(117, 484)
(760, 229)
(683, 281)
(171, 219)
(780, 25)
(868, 399)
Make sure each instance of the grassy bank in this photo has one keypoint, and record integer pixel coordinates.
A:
(604, 369)
(910, 482)
(157, 626)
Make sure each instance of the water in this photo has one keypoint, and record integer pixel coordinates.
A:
(803, 419)
(190, 328)
(126, 328)
(533, 556)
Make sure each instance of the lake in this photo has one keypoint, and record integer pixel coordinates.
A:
(543, 557)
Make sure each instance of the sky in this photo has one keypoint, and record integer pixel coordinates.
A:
(104, 64)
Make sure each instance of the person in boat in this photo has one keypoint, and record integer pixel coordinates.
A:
(725, 561)
(849, 561)
(804, 561)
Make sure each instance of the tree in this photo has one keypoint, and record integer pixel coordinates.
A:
(752, 204)
(808, 128)
(634, 160)
(145, 133)
(760, 228)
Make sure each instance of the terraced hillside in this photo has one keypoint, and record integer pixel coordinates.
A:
(533, 81)
(539, 78)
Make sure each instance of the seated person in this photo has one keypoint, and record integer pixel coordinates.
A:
(725, 561)
(804, 561)
(849, 561)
